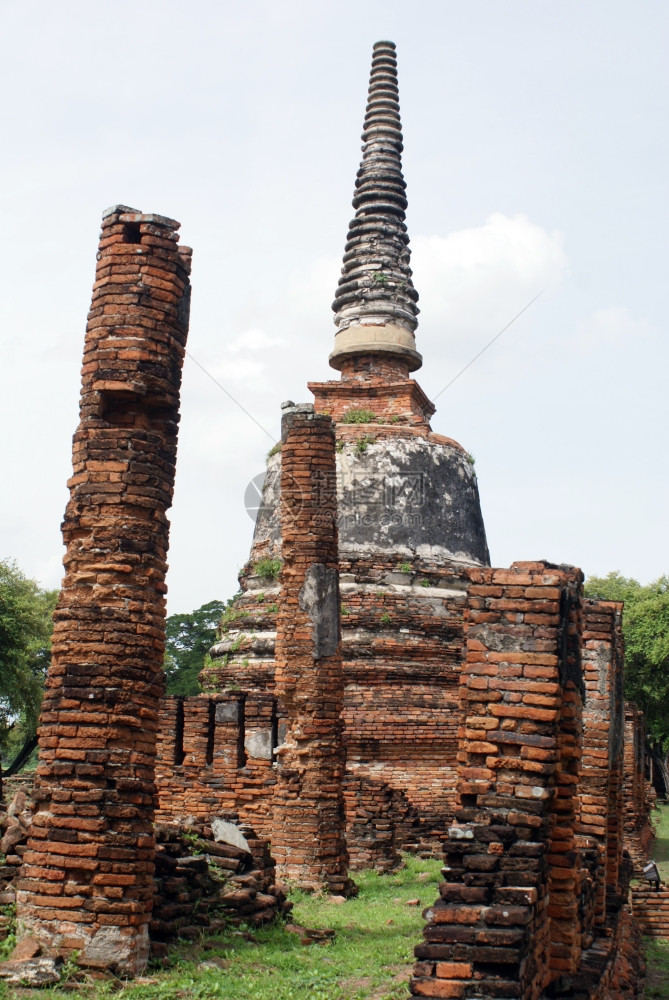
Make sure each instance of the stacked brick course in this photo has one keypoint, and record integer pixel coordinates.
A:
(87, 881)
(309, 842)
(651, 910)
(399, 401)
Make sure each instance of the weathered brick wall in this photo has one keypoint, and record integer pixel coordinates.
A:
(614, 968)
(215, 757)
(506, 923)
(374, 369)
(398, 402)
(637, 793)
(200, 749)
(309, 838)
(403, 646)
(87, 882)
(600, 798)
(264, 729)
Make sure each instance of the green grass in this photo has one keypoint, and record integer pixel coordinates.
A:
(267, 569)
(657, 952)
(8, 913)
(370, 957)
(657, 974)
(661, 846)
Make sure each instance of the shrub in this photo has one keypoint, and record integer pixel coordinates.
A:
(361, 443)
(358, 417)
(267, 569)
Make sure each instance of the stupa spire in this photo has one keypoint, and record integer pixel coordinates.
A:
(375, 304)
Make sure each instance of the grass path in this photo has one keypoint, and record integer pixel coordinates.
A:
(370, 957)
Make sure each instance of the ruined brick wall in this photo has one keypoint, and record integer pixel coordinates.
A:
(199, 751)
(87, 882)
(309, 839)
(215, 757)
(373, 814)
(506, 922)
(638, 832)
(614, 969)
(600, 796)
(404, 644)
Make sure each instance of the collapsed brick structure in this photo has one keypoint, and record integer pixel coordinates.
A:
(205, 883)
(87, 882)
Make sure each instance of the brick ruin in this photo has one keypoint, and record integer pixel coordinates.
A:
(87, 880)
(308, 805)
(376, 687)
(534, 901)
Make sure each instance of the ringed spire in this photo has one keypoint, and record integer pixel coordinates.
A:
(375, 304)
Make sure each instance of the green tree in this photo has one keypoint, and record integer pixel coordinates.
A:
(188, 640)
(646, 633)
(25, 648)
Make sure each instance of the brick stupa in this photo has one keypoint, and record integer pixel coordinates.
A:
(410, 521)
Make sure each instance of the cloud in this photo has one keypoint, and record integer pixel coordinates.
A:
(253, 340)
(613, 328)
(475, 280)
(240, 370)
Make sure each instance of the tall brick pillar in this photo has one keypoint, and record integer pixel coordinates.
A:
(87, 883)
(600, 784)
(308, 841)
(507, 922)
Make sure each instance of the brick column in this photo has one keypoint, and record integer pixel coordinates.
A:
(601, 772)
(506, 923)
(638, 832)
(87, 883)
(309, 827)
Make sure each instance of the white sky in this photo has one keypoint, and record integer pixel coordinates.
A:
(536, 145)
